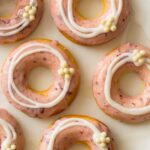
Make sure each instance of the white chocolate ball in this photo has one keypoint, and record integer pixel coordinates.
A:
(103, 134)
(71, 71)
(134, 58)
(142, 52)
(27, 8)
(141, 61)
(103, 145)
(31, 18)
(107, 29)
(107, 140)
(13, 147)
(102, 139)
(113, 28)
(67, 76)
(66, 70)
(60, 72)
(64, 65)
(25, 15)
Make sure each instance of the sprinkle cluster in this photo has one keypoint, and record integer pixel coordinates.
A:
(29, 12)
(102, 139)
(138, 57)
(10, 147)
(66, 71)
(109, 24)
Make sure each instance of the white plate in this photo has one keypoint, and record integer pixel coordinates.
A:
(127, 137)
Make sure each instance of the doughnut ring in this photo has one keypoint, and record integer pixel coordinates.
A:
(110, 98)
(75, 27)
(72, 129)
(35, 53)
(11, 136)
(22, 22)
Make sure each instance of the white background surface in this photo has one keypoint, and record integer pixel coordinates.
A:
(127, 136)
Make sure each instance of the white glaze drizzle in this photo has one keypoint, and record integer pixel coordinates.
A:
(10, 134)
(73, 122)
(16, 28)
(85, 32)
(22, 53)
(113, 67)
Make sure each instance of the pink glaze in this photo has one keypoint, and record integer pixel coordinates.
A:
(6, 22)
(102, 38)
(19, 142)
(117, 94)
(49, 61)
(73, 135)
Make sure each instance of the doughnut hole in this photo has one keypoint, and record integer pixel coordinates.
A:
(7, 8)
(127, 96)
(95, 7)
(22, 75)
(40, 79)
(131, 84)
(79, 146)
(84, 17)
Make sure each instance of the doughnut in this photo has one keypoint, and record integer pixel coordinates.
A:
(22, 22)
(72, 129)
(11, 136)
(81, 30)
(110, 98)
(45, 53)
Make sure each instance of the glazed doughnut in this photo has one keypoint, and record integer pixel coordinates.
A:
(111, 99)
(72, 129)
(35, 53)
(11, 136)
(90, 31)
(22, 22)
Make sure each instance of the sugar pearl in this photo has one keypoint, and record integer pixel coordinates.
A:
(25, 15)
(108, 140)
(71, 70)
(104, 134)
(138, 55)
(66, 70)
(103, 145)
(113, 28)
(60, 72)
(141, 61)
(102, 139)
(108, 24)
(27, 8)
(34, 8)
(134, 58)
(67, 76)
(64, 65)
(13, 147)
(32, 18)
(31, 12)
(142, 53)
(107, 29)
